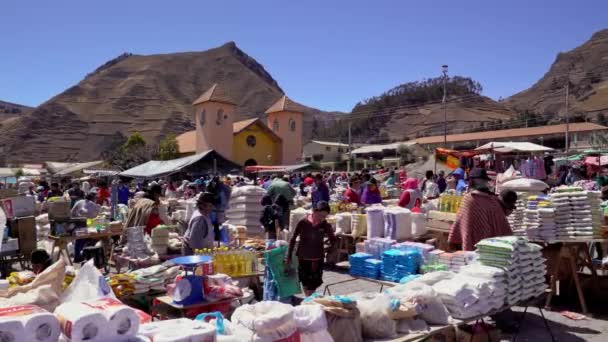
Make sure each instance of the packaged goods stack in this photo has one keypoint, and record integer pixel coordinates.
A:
(522, 262)
(343, 223)
(397, 223)
(397, 264)
(358, 225)
(423, 248)
(372, 268)
(532, 270)
(476, 290)
(245, 207)
(540, 221)
(377, 246)
(160, 240)
(153, 278)
(122, 284)
(516, 219)
(375, 221)
(585, 219)
(357, 263)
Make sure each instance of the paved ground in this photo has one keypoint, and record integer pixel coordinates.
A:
(533, 328)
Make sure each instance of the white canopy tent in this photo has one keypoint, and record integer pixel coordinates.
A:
(510, 147)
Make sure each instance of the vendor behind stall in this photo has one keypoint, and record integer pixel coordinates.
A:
(271, 216)
(371, 193)
(481, 215)
(86, 208)
(199, 233)
(311, 230)
(352, 194)
(411, 196)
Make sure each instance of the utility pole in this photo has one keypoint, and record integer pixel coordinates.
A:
(445, 111)
(567, 117)
(350, 145)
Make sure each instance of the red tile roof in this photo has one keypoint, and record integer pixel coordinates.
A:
(285, 104)
(216, 93)
(513, 133)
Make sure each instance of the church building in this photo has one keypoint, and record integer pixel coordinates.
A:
(247, 142)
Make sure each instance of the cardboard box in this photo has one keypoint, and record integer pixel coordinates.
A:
(19, 206)
(59, 210)
(26, 232)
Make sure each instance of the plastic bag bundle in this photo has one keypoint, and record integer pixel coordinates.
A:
(248, 190)
(343, 223)
(269, 321)
(375, 319)
(525, 185)
(311, 323)
(375, 221)
(397, 223)
(428, 304)
(358, 225)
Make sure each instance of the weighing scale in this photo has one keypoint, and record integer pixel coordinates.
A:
(189, 290)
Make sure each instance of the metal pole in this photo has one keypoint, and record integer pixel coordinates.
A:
(445, 112)
(567, 118)
(350, 145)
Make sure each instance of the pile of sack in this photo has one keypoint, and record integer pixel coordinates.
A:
(181, 329)
(476, 290)
(580, 213)
(375, 221)
(245, 207)
(522, 262)
(540, 221)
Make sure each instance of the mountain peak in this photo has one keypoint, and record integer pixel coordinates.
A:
(601, 34)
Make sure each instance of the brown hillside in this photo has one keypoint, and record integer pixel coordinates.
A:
(587, 69)
(148, 94)
(10, 110)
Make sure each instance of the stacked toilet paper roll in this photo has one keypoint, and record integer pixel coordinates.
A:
(104, 319)
(80, 322)
(123, 320)
(28, 323)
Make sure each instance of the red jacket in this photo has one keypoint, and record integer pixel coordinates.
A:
(351, 196)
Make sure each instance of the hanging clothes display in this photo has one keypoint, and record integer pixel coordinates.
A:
(533, 168)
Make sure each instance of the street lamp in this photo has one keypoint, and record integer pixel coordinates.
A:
(444, 69)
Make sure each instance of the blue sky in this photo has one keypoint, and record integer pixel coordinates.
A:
(325, 54)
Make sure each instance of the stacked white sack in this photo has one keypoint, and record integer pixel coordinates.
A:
(269, 321)
(245, 207)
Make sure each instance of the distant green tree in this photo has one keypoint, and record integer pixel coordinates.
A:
(136, 140)
(125, 153)
(168, 148)
(19, 173)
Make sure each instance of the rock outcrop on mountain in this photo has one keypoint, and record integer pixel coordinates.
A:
(151, 95)
(586, 68)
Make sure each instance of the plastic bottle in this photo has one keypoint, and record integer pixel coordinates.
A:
(248, 263)
(453, 203)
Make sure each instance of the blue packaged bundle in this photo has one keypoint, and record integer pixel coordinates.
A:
(357, 264)
(397, 264)
(372, 268)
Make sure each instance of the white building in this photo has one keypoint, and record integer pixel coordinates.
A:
(323, 151)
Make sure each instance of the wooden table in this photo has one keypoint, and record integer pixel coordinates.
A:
(164, 306)
(576, 254)
(438, 225)
(61, 242)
